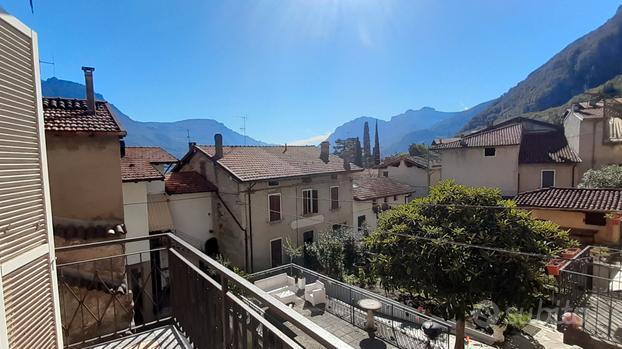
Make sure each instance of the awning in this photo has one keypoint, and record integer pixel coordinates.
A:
(159, 214)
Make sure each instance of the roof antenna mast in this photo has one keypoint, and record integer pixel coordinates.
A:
(243, 128)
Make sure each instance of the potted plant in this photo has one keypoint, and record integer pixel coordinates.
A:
(569, 253)
(600, 253)
(553, 266)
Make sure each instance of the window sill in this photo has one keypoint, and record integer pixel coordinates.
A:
(275, 222)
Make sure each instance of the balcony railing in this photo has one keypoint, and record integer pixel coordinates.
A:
(397, 324)
(169, 282)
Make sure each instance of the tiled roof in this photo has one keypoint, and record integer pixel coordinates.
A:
(504, 135)
(248, 163)
(186, 183)
(367, 187)
(136, 170)
(71, 115)
(408, 159)
(155, 155)
(137, 164)
(584, 199)
(548, 147)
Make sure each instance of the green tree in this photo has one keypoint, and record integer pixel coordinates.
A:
(333, 253)
(605, 177)
(429, 256)
(418, 150)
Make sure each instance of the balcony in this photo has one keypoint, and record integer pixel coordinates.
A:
(164, 293)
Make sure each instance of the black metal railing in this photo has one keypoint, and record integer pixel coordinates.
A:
(397, 324)
(590, 286)
(173, 283)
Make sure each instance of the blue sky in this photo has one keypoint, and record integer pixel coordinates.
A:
(299, 68)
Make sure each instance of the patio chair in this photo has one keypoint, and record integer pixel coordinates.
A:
(281, 287)
(315, 293)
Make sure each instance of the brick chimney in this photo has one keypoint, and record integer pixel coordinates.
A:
(324, 150)
(90, 91)
(218, 145)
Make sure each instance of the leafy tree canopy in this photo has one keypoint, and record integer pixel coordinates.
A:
(605, 177)
(460, 276)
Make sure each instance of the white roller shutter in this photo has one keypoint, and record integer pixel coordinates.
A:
(29, 316)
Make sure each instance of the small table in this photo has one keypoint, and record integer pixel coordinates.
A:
(370, 305)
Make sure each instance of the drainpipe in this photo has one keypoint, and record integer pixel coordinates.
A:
(573, 173)
(249, 191)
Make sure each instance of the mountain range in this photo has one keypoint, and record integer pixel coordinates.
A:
(588, 62)
(412, 126)
(172, 136)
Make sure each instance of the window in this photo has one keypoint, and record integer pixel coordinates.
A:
(336, 226)
(490, 151)
(276, 253)
(273, 183)
(595, 218)
(386, 199)
(334, 198)
(309, 201)
(548, 178)
(360, 221)
(394, 197)
(274, 207)
(385, 173)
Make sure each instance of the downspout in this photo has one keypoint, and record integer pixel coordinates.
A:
(240, 226)
(573, 173)
(250, 222)
(593, 160)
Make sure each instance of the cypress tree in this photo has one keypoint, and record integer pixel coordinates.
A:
(358, 156)
(376, 147)
(366, 146)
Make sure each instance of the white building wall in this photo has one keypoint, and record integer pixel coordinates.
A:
(136, 218)
(192, 217)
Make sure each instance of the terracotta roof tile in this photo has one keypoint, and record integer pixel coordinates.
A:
(367, 187)
(187, 182)
(549, 147)
(136, 170)
(584, 199)
(155, 155)
(408, 159)
(70, 115)
(248, 163)
(505, 135)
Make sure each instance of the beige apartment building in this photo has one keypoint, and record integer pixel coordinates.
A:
(267, 194)
(515, 156)
(594, 131)
(29, 301)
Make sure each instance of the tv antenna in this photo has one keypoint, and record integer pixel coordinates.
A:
(243, 128)
(188, 135)
(50, 63)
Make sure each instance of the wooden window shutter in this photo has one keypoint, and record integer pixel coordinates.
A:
(29, 297)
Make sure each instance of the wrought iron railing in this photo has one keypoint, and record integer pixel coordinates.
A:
(397, 324)
(590, 286)
(171, 283)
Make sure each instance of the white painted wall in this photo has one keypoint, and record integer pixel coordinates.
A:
(192, 217)
(415, 176)
(360, 208)
(136, 217)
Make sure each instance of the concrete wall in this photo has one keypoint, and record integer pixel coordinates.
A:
(608, 234)
(136, 218)
(365, 208)
(292, 224)
(192, 217)
(231, 237)
(468, 166)
(415, 176)
(531, 175)
(587, 136)
(85, 179)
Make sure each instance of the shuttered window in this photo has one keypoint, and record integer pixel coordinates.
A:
(334, 198)
(274, 207)
(28, 306)
(309, 201)
(27, 279)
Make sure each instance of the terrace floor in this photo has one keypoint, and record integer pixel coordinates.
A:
(159, 338)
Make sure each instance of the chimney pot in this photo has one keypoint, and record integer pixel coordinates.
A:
(191, 145)
(218, 145)
(90, 91)
(324, 150)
